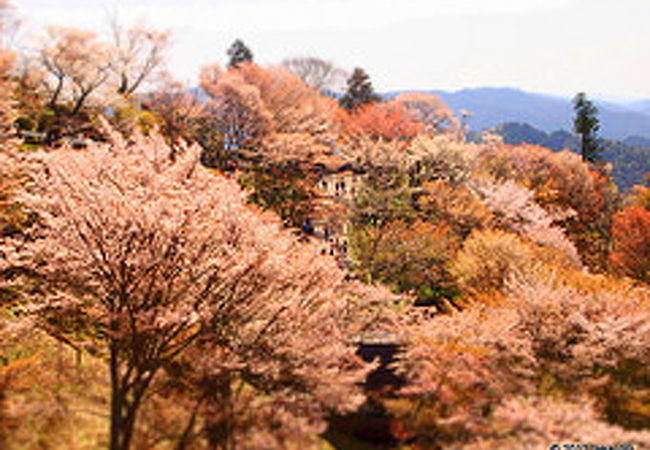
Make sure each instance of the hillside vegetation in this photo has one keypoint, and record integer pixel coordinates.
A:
(210, 273)
(630, 158)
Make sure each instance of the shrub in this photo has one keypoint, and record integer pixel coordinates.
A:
(631, 231)
(556, 350)
(487, 259)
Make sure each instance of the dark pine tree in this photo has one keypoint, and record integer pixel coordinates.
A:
(586, 125)
(360, 91)
(239, 53)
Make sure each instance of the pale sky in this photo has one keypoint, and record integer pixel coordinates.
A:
(557, 47)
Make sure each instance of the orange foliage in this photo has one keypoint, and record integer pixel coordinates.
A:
(270, 110)
(631, 231)
(459, 207)
(591, 228)
(488, 258)
(386, 121)
(400, 119)
(7, 60)
(429, 110)
(16, 377)
(642, 196)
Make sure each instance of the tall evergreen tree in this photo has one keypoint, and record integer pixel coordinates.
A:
(239, 53)
(586, 125)
(360, 91)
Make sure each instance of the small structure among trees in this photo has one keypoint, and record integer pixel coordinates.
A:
(337, 186)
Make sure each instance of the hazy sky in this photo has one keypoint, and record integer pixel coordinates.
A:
(551, 46)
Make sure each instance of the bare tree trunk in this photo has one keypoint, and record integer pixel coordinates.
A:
(117, 398)
(185, 438)
(220, 430)
(55, 95)
(79, 103)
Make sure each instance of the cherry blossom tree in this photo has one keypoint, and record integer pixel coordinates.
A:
(490, 372)
(136, 53)
(6, 88)
(76, 66)
(249, 390)
(429, 110)
(177, 109)
(317, 73)
(579, 199)
(301, 120)
(514, 209)
(235, 107)
(147, 257)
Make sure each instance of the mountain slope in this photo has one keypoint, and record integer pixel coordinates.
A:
(642, 106)
(494, 106)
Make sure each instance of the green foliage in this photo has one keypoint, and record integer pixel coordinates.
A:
(284, 188)
(25, 123)
(238, 53)
(14, 219)
(384, 197)
(130, 117)
(626, 395)
(586, 125)
(410, 257)
(630, 163)
(360, 91)
(517, 133)
(395, 243)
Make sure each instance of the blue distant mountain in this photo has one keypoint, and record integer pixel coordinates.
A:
(642, 106)
(491, 107)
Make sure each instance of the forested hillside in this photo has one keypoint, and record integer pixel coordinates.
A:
(220, 272)
(630, 158)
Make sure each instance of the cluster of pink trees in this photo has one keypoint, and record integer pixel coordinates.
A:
(517, 372)
(148, 259)
(142, 257)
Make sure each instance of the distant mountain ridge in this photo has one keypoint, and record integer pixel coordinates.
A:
(642, 106)
(491, 107)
